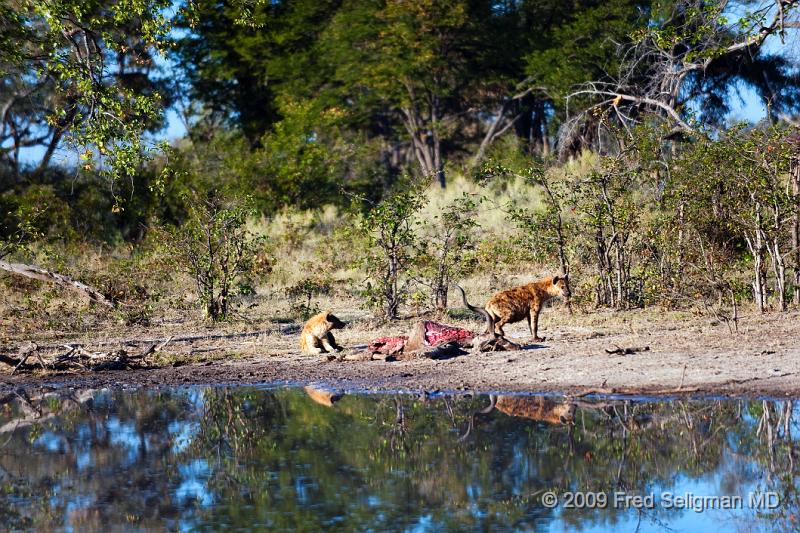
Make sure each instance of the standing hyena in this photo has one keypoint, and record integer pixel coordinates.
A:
(526, 302)
(317, 337)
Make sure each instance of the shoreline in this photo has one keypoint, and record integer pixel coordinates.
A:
(762, 360)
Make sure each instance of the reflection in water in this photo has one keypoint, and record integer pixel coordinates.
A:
(288, 459)
(322, 395)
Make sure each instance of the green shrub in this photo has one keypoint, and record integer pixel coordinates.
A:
(215, 248)
(391, 246)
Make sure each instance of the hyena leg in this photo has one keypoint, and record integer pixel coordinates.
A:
(498, 326)
(312, 344)
(494, 318)
(330, 343)
(534, 318)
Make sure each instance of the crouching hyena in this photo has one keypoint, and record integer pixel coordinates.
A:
(317, 337)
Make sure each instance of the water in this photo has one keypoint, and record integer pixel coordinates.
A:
(276, 459)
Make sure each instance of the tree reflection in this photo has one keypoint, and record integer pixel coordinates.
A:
(281, 459)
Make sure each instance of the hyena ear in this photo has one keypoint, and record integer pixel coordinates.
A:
(556, 279)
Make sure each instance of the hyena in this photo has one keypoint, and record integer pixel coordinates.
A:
(317, 337)
(489, 340)
(536, 408)
(526, 302)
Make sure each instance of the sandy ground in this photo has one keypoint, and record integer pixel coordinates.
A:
(694, 356)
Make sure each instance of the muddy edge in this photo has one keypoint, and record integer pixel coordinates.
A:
(762, 359)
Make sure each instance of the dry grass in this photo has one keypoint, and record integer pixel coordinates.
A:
(158, 299)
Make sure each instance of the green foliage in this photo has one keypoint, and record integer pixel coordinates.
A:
(447, 250)
(415, 80)
(738, 197)
(59, 206)
(307, 104)
(715, 51)
(216, 250)
(240, 71)
(21, 220)
(301, 294)
(578, 44)
(59, 72)
(295, 165)
(390, 247)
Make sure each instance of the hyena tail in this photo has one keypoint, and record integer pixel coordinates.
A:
(480, 310)
(484, 411)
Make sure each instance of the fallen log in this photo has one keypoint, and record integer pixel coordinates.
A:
(633, 391)
(77, 357)
(626, 350)
(171, 339)
(37, 273)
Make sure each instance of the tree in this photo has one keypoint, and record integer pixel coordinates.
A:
(568, 44)
(416, 59)
(215, 248)
(421, 83)
(81, 72)
(447, 247)
(239, 58)
(391, 247)
(687, 56)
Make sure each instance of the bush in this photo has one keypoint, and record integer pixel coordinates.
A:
(216, 250)
(301, 296)
(448, 251)
(391, 247)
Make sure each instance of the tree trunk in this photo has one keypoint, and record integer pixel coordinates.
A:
(34, 272)
(441, 298)
(618, 242)
(795, 172)
(438, 166)
(555, 205)
(604, 295)
(425, 137)
(490, 135)
(779, 269)
(778, 261)
(756, 245)
(441, 281)
(58, 131)
(392, 298)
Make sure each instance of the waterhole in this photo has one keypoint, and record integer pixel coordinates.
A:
(295, 459)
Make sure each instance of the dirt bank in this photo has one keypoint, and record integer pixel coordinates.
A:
(694, 356)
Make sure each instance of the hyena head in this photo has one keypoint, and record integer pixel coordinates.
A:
(560, 287)
(333, 322)
(565, 412)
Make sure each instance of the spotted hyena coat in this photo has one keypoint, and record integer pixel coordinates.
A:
(316, 336)
(536, 408)
(525, 303)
